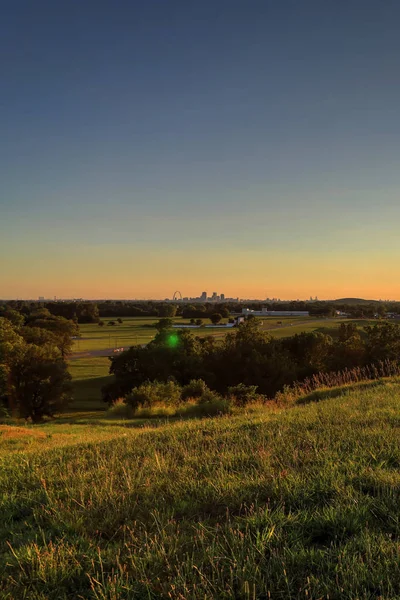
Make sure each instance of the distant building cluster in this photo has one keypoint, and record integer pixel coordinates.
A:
(215, 297)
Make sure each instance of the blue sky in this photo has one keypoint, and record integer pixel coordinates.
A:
(161, 145)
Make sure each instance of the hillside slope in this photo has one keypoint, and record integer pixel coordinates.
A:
(297, 503)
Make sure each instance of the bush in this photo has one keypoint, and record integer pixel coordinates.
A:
(209, 396)
(243, 394)
(195, 389)
(211, 405)
(154, 392)
(216, 318)
(120, 410)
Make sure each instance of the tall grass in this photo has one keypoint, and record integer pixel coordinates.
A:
(321, 381)
(299, 503)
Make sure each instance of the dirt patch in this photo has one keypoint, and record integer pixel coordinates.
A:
(7, 432)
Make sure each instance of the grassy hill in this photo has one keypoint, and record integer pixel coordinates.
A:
(275, 503)
(353, 301)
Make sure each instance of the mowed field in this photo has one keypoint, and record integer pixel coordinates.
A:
(90, 371)
(281, 503)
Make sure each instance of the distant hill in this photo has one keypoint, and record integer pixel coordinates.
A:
(352, 301)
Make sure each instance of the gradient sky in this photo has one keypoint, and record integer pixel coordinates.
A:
(247, 147)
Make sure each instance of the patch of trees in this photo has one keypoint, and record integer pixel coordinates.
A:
(249, 356)
(34, 380)
(80, 312)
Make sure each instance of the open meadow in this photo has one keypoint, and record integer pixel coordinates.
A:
(295, 502)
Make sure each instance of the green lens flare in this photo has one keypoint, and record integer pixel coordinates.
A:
(173, 340)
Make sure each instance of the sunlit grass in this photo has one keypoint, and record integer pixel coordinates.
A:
(280, 503)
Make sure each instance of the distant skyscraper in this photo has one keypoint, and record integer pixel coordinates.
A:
(222, 297)
(203, 296)
(214, 296)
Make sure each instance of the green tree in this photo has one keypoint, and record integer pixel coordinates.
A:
(167, 310)
(40, 382)
(164, 324)
(215, 318)
(11, 345)
(14, 317)
(383, 342)
(39, 336)
(62, 329)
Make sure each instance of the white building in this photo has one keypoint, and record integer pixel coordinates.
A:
(264, 312)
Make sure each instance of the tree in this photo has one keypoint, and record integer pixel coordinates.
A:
(40, 382)
(62, 329)
(167, 310)
(215, 318)
(311, 351)
(39, 336)
(383, 342)
(164, 324)
(11, 345)
(14, 317)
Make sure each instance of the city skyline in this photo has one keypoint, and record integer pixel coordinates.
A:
(219, 298)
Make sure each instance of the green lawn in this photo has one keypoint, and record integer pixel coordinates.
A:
(133, 331)
(282, 504)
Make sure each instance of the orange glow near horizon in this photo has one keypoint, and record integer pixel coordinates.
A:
(249, 276)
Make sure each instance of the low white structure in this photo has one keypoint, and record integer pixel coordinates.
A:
(264, 312)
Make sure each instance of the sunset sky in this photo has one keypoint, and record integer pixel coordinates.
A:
(245, 147)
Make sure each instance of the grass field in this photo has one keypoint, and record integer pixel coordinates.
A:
(276, 503)
(134, 330)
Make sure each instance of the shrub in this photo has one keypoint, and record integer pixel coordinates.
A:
(199, 322)
(209, 396)
(154, 392)
(216, 318)
(120, 410)
(195, 389)
(243, 394)
(211, 405)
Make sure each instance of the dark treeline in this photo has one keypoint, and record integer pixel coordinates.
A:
(91, 312)
(80, 312)
(250, 356)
